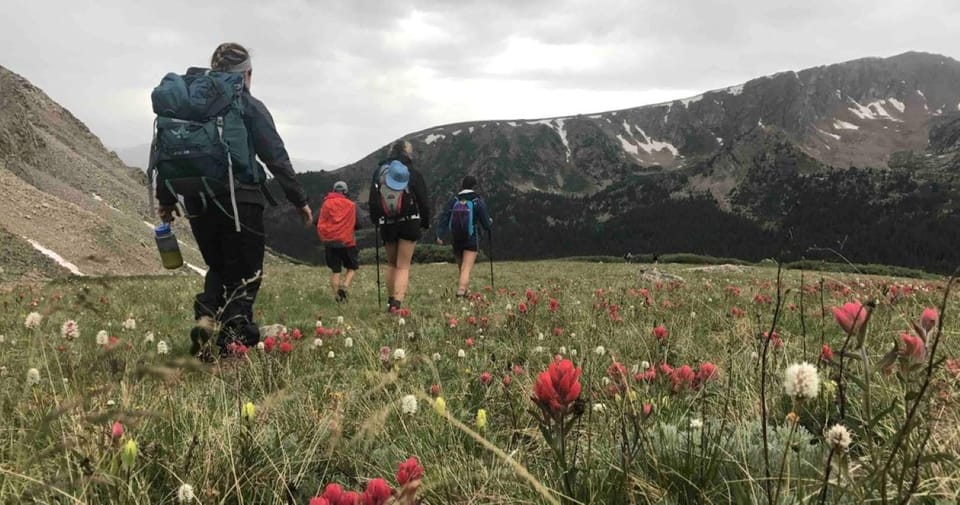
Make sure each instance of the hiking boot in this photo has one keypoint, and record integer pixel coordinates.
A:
(341, 295)
(393, 305)
(461, 294)
(200, 334)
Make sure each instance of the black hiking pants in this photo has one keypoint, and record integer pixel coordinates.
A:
(235, 262)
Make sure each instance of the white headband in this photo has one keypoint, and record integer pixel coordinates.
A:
(243, 66)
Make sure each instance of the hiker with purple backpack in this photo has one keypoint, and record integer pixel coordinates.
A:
(462, 217)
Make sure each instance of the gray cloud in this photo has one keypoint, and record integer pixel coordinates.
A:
(345, 77)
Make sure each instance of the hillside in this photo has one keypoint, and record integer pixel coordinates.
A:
(777, 166)
(69, 204)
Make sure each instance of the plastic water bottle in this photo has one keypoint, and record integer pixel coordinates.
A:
(168, 247)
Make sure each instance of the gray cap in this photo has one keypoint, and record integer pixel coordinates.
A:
(341, 187)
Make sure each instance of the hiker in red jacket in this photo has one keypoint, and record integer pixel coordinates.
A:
(338, 219)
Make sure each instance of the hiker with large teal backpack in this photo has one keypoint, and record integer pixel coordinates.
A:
(208, 134)
(462, 218)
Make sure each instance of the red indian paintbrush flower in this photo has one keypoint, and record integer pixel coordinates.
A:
(554, 305)
(350, 498)
(269, 343)
(661, 333)
(826, 353)
(929, 318)
(558, 387)
(913, 347)
(332, 493)
(851, 316)
(522, 307)
(485, 378)
(682, 377)
(319, 500)
(116, 431)
(286, 347)
(506, 380)
(408, 471)
(706, 372)
(377, 492)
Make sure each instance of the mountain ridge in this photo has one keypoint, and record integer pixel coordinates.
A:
(707, 149)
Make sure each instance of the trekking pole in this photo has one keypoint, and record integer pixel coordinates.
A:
(376, 241)
(490, 254)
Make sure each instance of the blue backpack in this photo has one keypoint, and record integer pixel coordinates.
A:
(461, 220)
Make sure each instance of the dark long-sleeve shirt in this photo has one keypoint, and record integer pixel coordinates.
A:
(270, 149)
(417, 188)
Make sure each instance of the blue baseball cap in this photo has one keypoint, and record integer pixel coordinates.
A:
(398, 176)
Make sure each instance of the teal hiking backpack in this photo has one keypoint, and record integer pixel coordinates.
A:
(461, 220)
(201, 147)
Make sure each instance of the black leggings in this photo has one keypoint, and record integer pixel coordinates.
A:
(232, 258)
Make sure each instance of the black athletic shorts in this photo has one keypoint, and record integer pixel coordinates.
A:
(338, 257)
(459, 247)
(390, 233)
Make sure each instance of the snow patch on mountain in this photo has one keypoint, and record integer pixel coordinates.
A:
(558, 125)
(897, 104)
(843, 125)
(456, 132)
(55, 257)
(735, 90)
(652, 145)
(433, 137)
(831, 135)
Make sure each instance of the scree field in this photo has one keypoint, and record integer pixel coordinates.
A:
(567, 383)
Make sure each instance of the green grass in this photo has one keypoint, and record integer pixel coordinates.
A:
(323, 419)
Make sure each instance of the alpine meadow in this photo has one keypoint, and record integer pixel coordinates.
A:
(568, 383)
(479, 252)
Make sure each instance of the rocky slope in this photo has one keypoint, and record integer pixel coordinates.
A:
(69, 205)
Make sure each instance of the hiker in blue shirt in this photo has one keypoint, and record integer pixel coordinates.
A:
(462, 217)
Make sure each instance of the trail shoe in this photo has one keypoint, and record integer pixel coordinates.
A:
(393, 305)
(200, 334)
(341, 295)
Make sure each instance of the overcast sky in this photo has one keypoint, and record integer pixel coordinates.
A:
(343, 78)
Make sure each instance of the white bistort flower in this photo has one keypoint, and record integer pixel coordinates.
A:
(838, 437)
(399, 354)
(599, 408)
(801, 381)
(148, 338)
(461, 353)
(563, 349)
(70, 330)
(348, 342)
(331, 355)
(436, 356)
(3, 371)
(538, 349)
(103, 338)
(130, 324)
(317, 343)
(340, 320)
(162, 348)
(185, 494)
(401, 321)
(33, 320)
(3, 338)
(409, 404)
(696, 424)
(33, 377)
(600, 350)
(573, 353)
